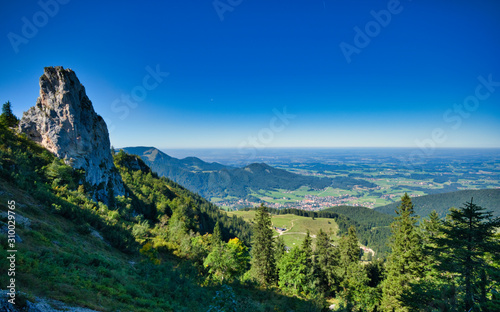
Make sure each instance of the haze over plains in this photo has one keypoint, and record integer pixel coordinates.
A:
(346, 73)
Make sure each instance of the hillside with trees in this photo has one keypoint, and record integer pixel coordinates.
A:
(151, 250)
(160, 247)
(216, 180)
(424, 205)
(372, 227)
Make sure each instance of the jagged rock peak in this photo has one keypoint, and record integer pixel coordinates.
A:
(64, 122)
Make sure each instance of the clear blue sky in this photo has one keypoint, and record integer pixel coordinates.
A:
(227, 78)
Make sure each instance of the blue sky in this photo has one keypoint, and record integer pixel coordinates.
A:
(267, 73)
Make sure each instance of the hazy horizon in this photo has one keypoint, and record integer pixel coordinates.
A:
(312, 74)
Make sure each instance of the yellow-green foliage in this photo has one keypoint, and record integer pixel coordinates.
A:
(151, 252)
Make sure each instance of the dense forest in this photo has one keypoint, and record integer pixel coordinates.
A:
(424, 205)
(163, 248)
(450, 264)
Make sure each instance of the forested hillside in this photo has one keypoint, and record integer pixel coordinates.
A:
(147, 251)
(161, 248)
(424, 205)
(215, 180)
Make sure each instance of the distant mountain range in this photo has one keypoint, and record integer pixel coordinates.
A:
(217, 180)
(423, 205)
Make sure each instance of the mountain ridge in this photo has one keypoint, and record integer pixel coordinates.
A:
(217, 180)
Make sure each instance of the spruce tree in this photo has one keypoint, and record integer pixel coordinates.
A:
(326, 259)
(262, 252)
(8, 118)
(471, 251)
(307, 247)
(217, 234)
(404, 264)
(353, 277)
(435, 290)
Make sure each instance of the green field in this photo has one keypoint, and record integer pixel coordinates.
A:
(296, 226)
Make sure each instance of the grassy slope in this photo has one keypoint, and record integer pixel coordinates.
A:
(56, 261)
(60, 258)
(296, 226)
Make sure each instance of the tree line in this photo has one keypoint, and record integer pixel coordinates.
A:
(372, 231)
(450, 264)
(434, 265)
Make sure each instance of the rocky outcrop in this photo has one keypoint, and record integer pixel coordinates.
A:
(64, 122)
(40, 304)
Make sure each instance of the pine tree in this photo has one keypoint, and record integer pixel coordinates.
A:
(349, 248)
(435, 290)
(307, 247)
(8, 118)
(471, 251)
(404, 263)
(217, 234)
(353, 277)
(326, 259)
(262, 252)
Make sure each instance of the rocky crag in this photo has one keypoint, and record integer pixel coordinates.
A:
(64, 122)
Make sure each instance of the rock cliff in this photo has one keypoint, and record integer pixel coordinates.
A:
(64, 122)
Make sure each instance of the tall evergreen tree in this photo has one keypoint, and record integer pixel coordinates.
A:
(435, 290)
(217, 234)
(404, 263)
(470, 250)
(8, 118)
(307, 247)
(326, 259)
(262, 252)
(353, 277)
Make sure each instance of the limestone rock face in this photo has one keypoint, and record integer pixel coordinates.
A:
(64, 122)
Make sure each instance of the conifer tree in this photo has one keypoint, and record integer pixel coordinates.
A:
(404, 264)
(327, 261)
(470, 251)
(353, 277)
(293, 271)
(217, 234)
(435, 290)
(8, 118)
(307, 247)
(262, 252)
